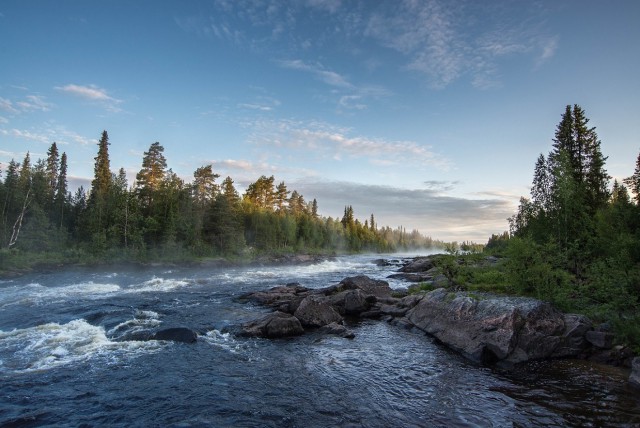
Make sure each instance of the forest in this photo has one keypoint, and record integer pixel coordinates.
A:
(576, 240)
(162, 217)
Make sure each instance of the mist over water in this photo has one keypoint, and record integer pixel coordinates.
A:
(66, 358)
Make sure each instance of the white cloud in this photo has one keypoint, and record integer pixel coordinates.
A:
(34, 102)
(352, 102)
(4, 120)
(7, 105)
(92, 93)
(27, 135)
(335, 143)
(439, 40)
(327, 76)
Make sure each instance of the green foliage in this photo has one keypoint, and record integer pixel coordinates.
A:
(576, 243)
(164, 218)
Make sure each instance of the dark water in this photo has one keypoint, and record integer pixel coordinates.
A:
(62, 363)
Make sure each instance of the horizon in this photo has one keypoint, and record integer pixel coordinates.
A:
(429, 115)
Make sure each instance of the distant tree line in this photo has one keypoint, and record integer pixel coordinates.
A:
(576, 240)
(161, 214)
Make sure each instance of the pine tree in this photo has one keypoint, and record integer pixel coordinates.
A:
(633, 182)
(150, 177)
(229, 192)
(204, 187)
(282, 195)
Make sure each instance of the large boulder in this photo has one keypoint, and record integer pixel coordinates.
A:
(275, 325)
(284, 298)
(350, 302)
(488, 328)
(371, 287)
(315, 311)
(418, 264)
(176, 334)
(634, 378)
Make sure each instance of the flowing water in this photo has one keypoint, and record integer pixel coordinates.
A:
(64, 362)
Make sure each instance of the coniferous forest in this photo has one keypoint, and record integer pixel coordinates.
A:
(576, 240)
(162, 217)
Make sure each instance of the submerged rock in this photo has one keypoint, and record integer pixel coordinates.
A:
(176, 334)
(337, 330)
(488, 328)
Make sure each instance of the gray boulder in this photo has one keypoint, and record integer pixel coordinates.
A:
(419, 264)
(371, 287)
(635, 372)
(275, 325)
(350, 302)
(315, 311)
(488, 328)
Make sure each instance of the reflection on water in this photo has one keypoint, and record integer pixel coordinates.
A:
(65, 360)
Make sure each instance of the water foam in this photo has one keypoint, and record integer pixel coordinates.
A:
(52, 345)
(36, 294)
(224, 341)
(158, 284)
(142, 320)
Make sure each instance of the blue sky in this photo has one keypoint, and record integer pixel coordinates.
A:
(430, 114)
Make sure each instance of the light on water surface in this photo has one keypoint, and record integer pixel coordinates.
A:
(64, 343)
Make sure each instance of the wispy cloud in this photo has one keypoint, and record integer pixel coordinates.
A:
(28, 104)
(440, 42)
(327, 76)
(47, 135)
(92, 93)
(25, 135)
(335, 143)
(7, 105)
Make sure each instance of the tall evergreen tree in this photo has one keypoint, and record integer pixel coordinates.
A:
(101, 182)
(150, 177)
(633, 182)
(61, 197)
(53, 165)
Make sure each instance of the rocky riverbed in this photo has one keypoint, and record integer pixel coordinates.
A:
(484, 327)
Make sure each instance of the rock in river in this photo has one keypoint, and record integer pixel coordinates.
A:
(176, 334)
(488, 328)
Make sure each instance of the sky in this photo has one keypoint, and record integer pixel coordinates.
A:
(428, 114)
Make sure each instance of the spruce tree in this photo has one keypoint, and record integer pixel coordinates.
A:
(633, 182)
(101, 182)
(60, 200)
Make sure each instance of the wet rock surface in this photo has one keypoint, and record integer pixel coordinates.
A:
(484, 327)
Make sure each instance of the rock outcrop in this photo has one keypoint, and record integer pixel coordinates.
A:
(276, 324)
(314, 308)
(487, 328)
(484, 327)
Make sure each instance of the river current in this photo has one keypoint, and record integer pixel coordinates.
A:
(63, 361)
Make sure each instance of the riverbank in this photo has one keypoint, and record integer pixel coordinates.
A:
(14, 263)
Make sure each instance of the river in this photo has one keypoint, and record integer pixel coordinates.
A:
(63, 362)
